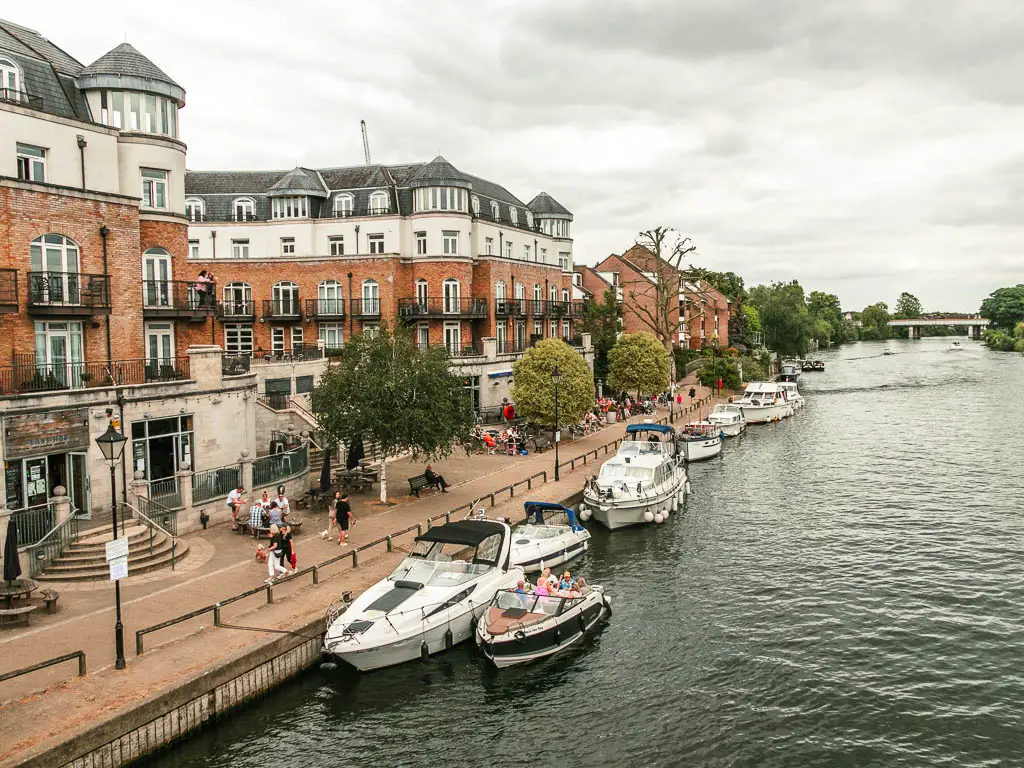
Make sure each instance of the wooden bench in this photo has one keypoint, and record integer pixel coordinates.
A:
(11, 615)
(540, 442)
(50, 597)
(419, 483)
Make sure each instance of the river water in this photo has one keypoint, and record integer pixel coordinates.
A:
(845, 588)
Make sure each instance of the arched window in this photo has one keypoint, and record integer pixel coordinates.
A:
(499, 290)
(195, 209)
(244, 209)
(495, 211)
(285, 298)
(54, 263)
(421, 293)
(156, 274)
(513, 214)
(529, 220)
(371, 298)
(565, 294)
(10, 80)
(451, 296)
(379, 203)
(343, 205)
(329, 298)
(476, 205)
(238, 299)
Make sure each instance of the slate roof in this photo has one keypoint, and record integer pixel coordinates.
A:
(17, 39)
(439, 173)
(545, 203)
(125, 60)
(47, 72)
(298, 180)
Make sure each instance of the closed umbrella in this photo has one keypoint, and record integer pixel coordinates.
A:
(355, 453)
(12, 565)
(325, 473)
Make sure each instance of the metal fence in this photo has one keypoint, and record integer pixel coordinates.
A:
(215, 483)
(34, 523)
(52, 544)
(267, 470)
(166, 492)
(153, 512)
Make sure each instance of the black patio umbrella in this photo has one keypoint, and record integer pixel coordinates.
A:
(12, 566)
(355, 453)
(325, 473)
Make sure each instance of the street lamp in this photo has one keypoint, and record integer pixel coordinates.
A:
(111, 444)
(556, 376)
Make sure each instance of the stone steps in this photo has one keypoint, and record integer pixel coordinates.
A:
(86, 559)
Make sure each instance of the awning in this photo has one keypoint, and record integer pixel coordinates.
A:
(499, 374)
(468, 532)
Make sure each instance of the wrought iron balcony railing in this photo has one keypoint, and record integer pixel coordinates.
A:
(365, 308)
(68, 293)
(236, 309)
(178, 298)
(28, 375)
(282, 309)
(325, 309)
(510, 307)
(441, 306)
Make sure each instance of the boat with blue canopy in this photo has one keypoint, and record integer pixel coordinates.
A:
(550, 537)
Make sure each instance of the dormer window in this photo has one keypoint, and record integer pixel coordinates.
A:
(291, 207)
(10, 81)
(495, 211)
(529, 220)
(244, 209)
(513, 215)
(343, 206)
(379, 203)
(475, 202)
(195, 209)
(441, 199)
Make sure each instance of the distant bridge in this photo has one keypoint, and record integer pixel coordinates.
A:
(973, 323)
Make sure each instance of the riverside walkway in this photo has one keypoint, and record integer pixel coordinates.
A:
(47, 708)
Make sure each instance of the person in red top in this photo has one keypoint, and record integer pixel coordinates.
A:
(719, 385)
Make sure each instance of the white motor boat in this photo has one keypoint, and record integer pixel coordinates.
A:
(643, 483)
(790, 370)
(431, 601)
(520, 627)
(793, 394)
(544, 540)
(955, 347)
(701, 440)
(765, 401)
(728, 417)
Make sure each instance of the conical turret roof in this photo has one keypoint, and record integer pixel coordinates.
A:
(546, 204)
(125, 67)
(439, 173)
(298, 181)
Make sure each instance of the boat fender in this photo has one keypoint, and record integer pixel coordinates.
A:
(648, 516)
(583, 625)
(659, 518)
(328, 666)
(558, 637)
(607, 604)
(424, 651)
(520, 636)
(448, 639)
(472, 625)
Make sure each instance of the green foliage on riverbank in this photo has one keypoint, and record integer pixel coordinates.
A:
(1005, 307)
(638, 363)
(533, 391)
(1001, 341)
(724, 368)
(601, 320)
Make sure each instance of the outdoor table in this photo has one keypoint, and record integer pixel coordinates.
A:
(9, 590)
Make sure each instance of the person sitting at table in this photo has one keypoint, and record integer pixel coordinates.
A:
(276, 513)
(282, 502)
(256, 513)
(435, 480)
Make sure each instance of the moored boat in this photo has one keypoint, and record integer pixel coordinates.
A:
(431, 601)
(789, 371)
(793, 394)
(520, 627)
(550, 537)
(701, 440)
(729, 418)
(818, 365)
(643, 483)
(764, 401)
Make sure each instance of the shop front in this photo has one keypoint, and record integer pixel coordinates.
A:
(160, 448)
(42, 451)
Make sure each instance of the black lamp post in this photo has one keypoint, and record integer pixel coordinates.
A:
(556, 376)
(111, 444)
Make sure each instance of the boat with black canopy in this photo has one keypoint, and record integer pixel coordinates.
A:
(431, 601)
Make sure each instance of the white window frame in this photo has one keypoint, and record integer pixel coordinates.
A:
(243, 209)
(423, 335)
(475, 202)
(500, 290)
(380, 202)
(565, 294)
(538, 292)
(10, 79)
(154, 188)
(287, 246)
(327, 330)
(371, 328)
(54, 250)
(565, 329)
(336, 245)
(495, 211)
(422, 291)
(193, 249)
(450, 243)
(163, 333)
(297, 338)
(488, 246)
(195, 209)
(240, 248)
(285, 298)
(513, 214)
(343, 206)
(529, 219)
(526, 252)
(508, 249)
(453, 337)
(543, 256)
(31, 162)
(376, 242)
(290, 207)
(421, 243)
(369, 292)
(451, 293)
(564, 260)
(277, 341)
(238, 299)
(238, 338)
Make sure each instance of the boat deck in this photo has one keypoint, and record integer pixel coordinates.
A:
(502, 621)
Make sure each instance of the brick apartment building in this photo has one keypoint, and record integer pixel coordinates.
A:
(635, 275)
(303, 259)
(95, 325)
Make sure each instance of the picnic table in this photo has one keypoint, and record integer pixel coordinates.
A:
(19, 588)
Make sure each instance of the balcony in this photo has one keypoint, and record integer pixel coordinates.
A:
(176, 299)
(367, 309)
(237, 310)
(441, 307)
(511, 346)
(510, 307)
(14, 96)
(325, 309)
(282, 310)
(68, 294)
(361, 211)
(27, 376)
(8, 290)
(473, 349)
(520, 224)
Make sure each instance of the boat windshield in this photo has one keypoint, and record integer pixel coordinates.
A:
(523, 601)
(534, 531)
(433, 573)
(616, 471)
(642, 448)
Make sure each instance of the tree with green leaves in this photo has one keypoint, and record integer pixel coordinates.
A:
(874, 322)
(908, 306)
(725, 368)
(638, 363)
(786, 323)
(386, 389)
(602, 321)
(533, 391)
(1004, 307)
(728, 283)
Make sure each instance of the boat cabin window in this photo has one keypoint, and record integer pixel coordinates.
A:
(489, 550)
(625, 472)
(640, 448)
(546, 604)
(433, 573)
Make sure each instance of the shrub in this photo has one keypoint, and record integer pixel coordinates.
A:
(724, 368)
(732, 352)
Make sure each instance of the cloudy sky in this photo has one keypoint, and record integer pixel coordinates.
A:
(864, 148)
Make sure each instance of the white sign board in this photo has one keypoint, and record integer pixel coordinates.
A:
(119, 569)
(558, 436)
(116, 549)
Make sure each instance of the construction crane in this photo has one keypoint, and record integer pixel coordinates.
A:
(366, 141)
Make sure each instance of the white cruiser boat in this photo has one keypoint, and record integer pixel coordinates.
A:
(643, 483)
(764, 401)
(520, 626)
(955, 347)
(790, 370)
(700, 441)
(728, 417)
(549, 537)
(431, 601)
(793, 394)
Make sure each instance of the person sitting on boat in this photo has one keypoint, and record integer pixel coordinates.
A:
(566, 582)
(521, 587)
(654, 438)
(541, 590)
(581, 584)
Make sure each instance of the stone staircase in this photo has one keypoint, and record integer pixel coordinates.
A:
(85, 560)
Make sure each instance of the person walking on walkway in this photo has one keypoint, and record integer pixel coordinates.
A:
(332, 516)
(719, 383)
(274, 554)
(344, 516)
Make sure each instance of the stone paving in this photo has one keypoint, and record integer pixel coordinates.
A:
(221, 564)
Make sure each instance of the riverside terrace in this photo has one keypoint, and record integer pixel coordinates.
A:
(222, 565)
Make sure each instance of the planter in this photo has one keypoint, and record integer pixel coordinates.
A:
(611, 416)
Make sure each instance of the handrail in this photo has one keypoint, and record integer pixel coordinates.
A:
(80, 655)
(56, 545)
(149, 520)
